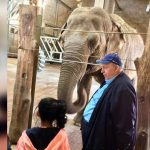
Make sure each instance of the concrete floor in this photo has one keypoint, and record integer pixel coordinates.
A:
(46, 85)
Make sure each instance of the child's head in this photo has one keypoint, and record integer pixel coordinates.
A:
(52, 110)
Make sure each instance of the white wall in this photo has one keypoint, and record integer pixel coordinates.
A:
(99, 3)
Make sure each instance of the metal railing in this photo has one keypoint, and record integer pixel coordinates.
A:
(13, 7)
(51, 48)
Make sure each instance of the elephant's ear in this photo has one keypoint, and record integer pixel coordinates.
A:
(130, 44)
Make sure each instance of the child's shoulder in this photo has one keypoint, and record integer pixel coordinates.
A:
(32, 130)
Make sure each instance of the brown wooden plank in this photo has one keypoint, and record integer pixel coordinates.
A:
(26, 74)
(143, 92)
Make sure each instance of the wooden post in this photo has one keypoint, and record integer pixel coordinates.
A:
(109, 6)
(87, 3)
(143, 93)
(26, 66)
(37, 34)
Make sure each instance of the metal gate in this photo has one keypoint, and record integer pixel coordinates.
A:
(51, 48)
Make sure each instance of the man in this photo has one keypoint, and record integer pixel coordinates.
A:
(109, 119)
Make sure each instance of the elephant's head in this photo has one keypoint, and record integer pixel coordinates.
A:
(81, 48)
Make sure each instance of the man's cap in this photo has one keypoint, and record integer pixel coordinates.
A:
(110, 58)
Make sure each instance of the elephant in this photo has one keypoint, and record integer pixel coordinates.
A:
(89, 34)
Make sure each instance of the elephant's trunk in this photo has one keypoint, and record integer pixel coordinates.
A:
(72, 70)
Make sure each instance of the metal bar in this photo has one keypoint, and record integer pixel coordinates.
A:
(52, 40)
(45, 47)
(49, 45)
(60, 46)
(53, 48)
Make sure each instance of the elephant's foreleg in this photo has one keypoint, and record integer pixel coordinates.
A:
(83, 89)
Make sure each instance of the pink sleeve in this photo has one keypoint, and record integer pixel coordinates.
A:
(24, 143)
(60, 142)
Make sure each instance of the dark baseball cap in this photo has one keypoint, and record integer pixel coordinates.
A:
(111, 57)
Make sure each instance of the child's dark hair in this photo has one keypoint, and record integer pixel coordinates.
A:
(3, 102)
(3, 110)
(51, 110)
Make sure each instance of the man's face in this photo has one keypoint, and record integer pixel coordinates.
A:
(110, 70)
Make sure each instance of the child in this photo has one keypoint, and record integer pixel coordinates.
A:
(51, 134)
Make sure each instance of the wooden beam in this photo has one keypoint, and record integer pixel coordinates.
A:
(143, 93)
(25, 75)
(87, 3)
(109, 6)
(65, 5)
(37, 38)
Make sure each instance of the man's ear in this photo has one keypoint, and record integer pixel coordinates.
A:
(116, 67)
